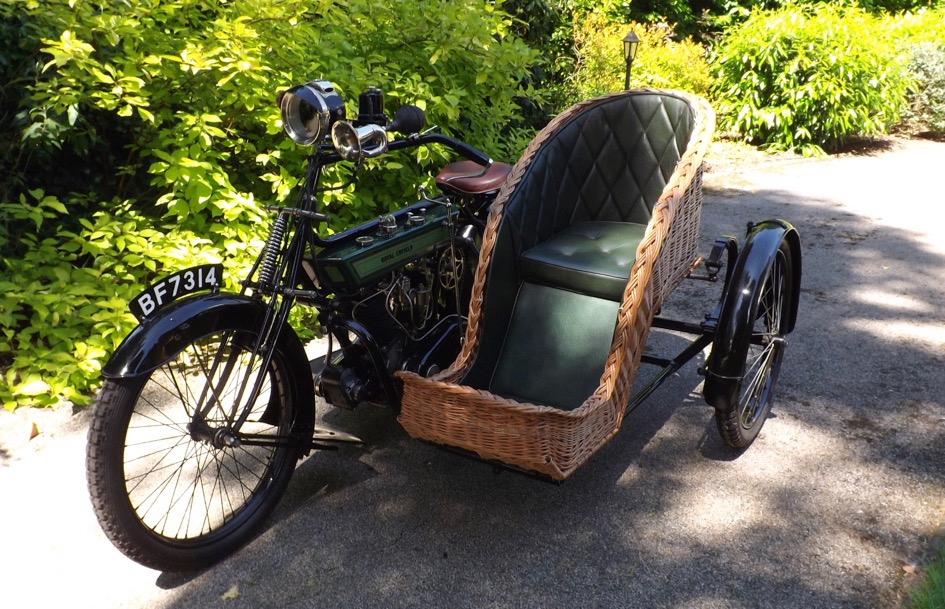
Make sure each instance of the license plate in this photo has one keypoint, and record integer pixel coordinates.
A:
(169, 289)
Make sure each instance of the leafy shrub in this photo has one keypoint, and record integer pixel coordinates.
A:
(906, 29)
(660, 62)
(807, 78)
(144, 137)
(925, 114)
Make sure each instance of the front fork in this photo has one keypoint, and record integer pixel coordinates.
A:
(277, 267)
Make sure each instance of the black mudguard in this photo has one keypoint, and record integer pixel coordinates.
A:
(160, 338)
(736, 316)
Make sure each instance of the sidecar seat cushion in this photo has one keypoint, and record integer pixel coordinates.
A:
(592, 258)
(555, 347)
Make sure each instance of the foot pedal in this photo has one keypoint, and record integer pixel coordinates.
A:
(714, 263)
(326, 433)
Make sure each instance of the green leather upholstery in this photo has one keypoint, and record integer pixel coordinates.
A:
(593, 258)
(552, 353)
(572, 224)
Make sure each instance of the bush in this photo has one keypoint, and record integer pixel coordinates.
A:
(807, 78)
(925, 114)
(661, 62)
(144, 137)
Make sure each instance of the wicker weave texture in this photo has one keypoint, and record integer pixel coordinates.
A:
(541, 438)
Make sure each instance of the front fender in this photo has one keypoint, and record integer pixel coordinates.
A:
(160, 338)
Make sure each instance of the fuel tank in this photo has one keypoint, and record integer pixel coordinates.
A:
(358, 257)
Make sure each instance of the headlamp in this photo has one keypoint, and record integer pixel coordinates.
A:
(309, 110)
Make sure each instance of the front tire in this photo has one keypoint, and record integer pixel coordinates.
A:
(167, 498)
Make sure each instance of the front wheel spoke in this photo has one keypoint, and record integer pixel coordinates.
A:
(160, 411)
(206, 468)
(245, 487)
(228, 511)
(157, 467)
(151, 499)
(255, 458)
(151, 441)
(226, 503)
(185, 395)
(211, 384)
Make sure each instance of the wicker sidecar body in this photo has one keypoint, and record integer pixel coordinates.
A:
(595, 227)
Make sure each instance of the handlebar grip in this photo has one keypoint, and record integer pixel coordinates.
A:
(473, 154)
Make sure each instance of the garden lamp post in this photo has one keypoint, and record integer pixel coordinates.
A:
(630, 44)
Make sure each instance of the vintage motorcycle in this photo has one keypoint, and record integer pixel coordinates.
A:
(209, 403)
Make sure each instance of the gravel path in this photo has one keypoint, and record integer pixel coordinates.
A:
(844, 488)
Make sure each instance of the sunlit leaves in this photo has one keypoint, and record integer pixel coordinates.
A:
(180, 95)
(808, 77)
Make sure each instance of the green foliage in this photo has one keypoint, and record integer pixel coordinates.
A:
(807, 78)
(144, 138)
(930, 593)
(661, 61)
(925, 114)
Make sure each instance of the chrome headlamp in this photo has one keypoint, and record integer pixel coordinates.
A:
(309, 110)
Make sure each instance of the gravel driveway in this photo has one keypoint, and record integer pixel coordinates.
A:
(844, 488)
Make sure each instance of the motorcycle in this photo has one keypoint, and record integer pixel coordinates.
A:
(209, 402)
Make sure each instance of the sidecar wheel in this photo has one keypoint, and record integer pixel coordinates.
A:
(168, 499)
(740, 414)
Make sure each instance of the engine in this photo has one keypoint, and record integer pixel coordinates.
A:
(400, 278)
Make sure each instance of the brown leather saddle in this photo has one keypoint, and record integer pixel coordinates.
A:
(469, 178)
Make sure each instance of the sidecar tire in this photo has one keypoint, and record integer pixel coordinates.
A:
(173, 531)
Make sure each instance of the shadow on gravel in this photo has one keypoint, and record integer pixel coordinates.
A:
(664, 515)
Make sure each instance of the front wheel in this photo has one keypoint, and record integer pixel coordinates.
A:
(171, 497)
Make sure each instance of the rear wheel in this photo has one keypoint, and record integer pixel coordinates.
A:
(740, 421)
(174, 497)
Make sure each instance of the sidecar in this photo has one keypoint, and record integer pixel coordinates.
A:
(596, 226)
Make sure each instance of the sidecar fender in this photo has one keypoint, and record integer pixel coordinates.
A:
(733, 334)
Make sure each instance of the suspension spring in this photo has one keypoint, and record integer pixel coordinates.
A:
(267, 269)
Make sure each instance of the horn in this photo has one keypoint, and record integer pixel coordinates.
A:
(353, 142)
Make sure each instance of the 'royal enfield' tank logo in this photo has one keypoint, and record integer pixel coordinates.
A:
(396, 253)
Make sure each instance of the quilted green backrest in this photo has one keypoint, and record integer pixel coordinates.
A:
(608, 163)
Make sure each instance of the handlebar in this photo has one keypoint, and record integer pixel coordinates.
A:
(471, 153)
